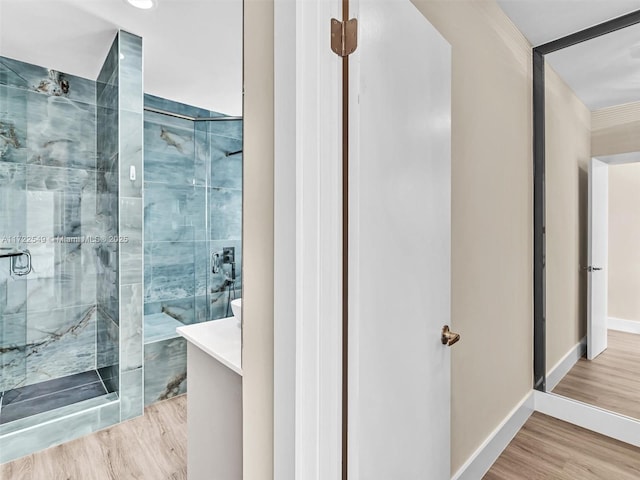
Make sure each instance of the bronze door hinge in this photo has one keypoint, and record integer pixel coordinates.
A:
(344, 36)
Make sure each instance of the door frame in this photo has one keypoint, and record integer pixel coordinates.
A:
(591, 335)
(609, 161)
(539, 154)
(308, 242)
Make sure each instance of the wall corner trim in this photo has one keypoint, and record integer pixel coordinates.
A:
(566, 363)
(480, 462)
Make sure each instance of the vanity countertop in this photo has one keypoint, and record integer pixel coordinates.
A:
(222, 339)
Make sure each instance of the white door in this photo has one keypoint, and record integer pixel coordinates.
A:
(400, 237)
(598, 254)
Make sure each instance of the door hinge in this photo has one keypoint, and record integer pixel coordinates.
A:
(344, 36)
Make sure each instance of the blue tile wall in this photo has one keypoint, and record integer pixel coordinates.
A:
(60, 342)
(13, 359)
(225, 204)
(193, 207)
(171, 269)
(61, 132)
(46, 82)
(107, 214)
(58, 414)
(225, 209)
(130, 207)
(108, 348)
(187, 310)
(131, 327)
(165, 373)
(226, 172)
(230, 129)
(171, 154)
(87, 417)
(13, 291)
(48, 191)
(13, 124)
(66, 148)
(166, 105)
(174, 213)
(9, 77)
(132, 393)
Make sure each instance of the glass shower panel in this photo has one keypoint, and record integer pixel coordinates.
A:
(13, 229)
(174, 221)
(224, 214)
(48, 252)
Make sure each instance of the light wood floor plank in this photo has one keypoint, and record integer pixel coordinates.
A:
(547, 448)
(151, 447)
(610, 381)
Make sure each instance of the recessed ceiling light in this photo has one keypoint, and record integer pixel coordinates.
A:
(143, 4)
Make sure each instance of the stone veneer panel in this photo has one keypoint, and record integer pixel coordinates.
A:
(130, 207)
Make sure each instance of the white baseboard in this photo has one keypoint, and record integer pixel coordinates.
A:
(630, 326)
(607, 423)
(612, 425)
(567, 362)
(482, 459)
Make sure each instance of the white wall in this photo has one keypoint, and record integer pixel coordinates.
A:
(624, 241)
(492, 222)
(257, 227)
(615, 129)
(568, 150)
(492, 217)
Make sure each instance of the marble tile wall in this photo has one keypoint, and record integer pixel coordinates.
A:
(13, 291)
(74, 195)
(165, 369)
(193, 208)
(130, 208)
(225, 209)
(175, 221)
(48, 321)
(59, 428)
(107, 187)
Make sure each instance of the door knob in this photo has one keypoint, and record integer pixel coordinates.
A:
(448, 337)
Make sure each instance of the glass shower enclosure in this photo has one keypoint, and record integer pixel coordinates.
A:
(70, 249)
(192, 232)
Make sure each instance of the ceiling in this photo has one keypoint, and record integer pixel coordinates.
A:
(620, 158)
(602, 72)
(192, 48)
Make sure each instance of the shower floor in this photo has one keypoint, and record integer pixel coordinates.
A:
(45, 396)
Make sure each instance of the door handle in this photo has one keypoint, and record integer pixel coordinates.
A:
(448, 337)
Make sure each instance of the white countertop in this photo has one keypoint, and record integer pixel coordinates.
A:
(222, 339)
